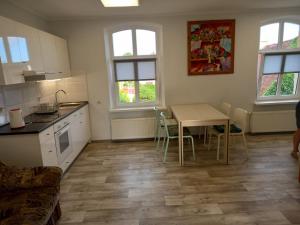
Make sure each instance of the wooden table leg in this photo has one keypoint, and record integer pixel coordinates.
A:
(180, 141)
(226, 142)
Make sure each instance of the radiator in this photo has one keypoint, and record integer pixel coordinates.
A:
(273, 121)
(132, 128)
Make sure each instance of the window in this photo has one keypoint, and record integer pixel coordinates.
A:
(279, 61)
(18, 49)
(134, 64)
(2, 51)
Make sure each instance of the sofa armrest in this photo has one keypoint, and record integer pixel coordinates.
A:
(12, 178)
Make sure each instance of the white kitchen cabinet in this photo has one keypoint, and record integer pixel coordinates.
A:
(26, 48)
(55, 54)
(11, 73)
(85, 121)
(33, 40)
(49, 53)
(48, 148)
(80, 129)
(39, 149)
(63, 63)
(76, 133)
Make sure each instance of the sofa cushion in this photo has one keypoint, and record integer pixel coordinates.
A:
(13, 178)
(30, 207)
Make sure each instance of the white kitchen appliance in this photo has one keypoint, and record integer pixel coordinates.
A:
(16, 118)
(62, 134)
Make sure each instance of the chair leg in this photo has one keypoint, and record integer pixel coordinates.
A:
(245, 143)
(199, 132)
(218, 149)
(205, 135)
(166, 149)
(158, 138)
(163, 145)
(156, 132)
(193, 148)
(209, 140)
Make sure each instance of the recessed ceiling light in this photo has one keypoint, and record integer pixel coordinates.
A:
(120, 3)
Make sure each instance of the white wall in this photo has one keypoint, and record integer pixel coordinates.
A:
(14, 12)
(86, 44)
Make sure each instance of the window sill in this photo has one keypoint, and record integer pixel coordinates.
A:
(277, 102)
(137, 109)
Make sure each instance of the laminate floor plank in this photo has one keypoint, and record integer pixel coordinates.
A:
(126, 183)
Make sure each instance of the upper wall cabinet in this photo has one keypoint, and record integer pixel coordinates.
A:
(25, 48)
(11, 72)
(34, 48)
(55, 54)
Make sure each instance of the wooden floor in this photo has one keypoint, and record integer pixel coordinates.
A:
(127, 184)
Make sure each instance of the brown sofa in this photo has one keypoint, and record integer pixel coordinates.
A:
(29, 196)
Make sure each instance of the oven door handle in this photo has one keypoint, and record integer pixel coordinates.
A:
(62, 130)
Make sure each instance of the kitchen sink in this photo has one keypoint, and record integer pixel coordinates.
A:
(68, 104)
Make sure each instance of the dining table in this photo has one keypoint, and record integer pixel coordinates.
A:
(197, 115)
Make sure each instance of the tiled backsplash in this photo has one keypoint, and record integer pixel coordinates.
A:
(27, 95)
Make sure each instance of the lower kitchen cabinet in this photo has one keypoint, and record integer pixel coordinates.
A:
(42, 149)
(80, 129)
(48, 147)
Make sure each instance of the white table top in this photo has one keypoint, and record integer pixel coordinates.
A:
(200, 112)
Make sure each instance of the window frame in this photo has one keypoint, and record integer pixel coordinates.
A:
(111, 60)
(279, 50)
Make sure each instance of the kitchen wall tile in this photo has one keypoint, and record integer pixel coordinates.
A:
(13, 95)
(1, 98)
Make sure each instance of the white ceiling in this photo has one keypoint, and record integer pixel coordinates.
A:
(70, 9)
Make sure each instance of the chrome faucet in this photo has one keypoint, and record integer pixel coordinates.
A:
(56, 102)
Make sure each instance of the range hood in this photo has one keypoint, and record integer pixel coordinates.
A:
(32, 75)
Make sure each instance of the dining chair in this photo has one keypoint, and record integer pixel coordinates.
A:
(171, 132)
(225, 108)
(237, 128)
(159, 124)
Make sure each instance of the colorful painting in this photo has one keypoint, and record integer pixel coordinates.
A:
(211, 47)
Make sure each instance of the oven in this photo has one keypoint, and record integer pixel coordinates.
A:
(63, 142)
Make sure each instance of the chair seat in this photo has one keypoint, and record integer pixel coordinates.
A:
(169, 122)
(233, 128)
(173, 132)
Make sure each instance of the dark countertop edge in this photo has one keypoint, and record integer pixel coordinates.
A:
(47, 125)
(84, 103)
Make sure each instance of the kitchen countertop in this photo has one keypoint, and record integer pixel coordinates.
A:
(37, 127)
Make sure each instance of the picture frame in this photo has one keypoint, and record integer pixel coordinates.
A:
(211, 47)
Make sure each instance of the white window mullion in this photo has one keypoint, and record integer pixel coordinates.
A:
(116, 86)
(137, 92)
(280, 36)
(260, 75)
(297, 85)
(134, 42)
(279, 81)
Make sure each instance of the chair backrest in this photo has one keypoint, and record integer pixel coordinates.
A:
(164, 123)
(225, 107)
(240, 118)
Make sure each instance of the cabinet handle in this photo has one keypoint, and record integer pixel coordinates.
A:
(50, 151)
(48, 134)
